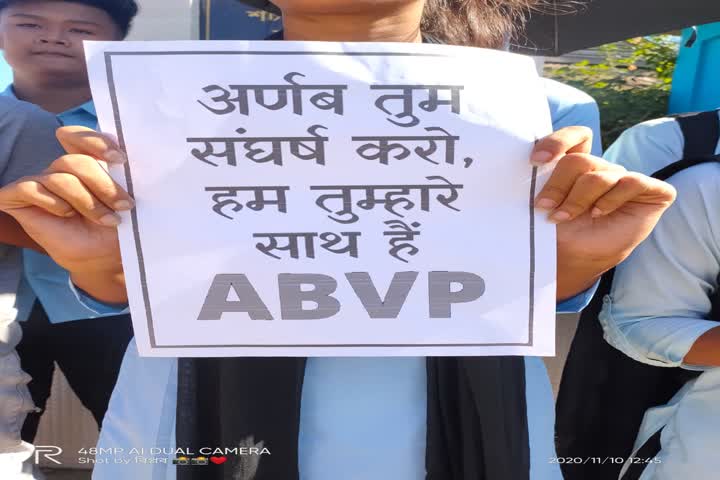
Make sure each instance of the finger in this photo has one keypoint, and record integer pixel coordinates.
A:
(30, 192)
(588, 188)
(95, 178)
(82, 140)
(73, 191)
(560, 143)
(566, 173)
(635, 187)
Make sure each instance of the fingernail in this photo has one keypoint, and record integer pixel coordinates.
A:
(124, 205)
(541, 158)
(545, 204)
(560, 216)
(112, 137)
(596, 212)
(113, 156)
(69, 214)
(110, 220)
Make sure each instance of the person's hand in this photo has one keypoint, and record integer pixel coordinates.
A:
(70, 211)
(602, 211)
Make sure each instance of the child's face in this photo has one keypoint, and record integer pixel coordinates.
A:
(43, 38)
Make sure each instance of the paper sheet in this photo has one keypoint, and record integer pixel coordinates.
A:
(329, 199)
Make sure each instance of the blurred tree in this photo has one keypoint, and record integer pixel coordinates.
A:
(632, 83)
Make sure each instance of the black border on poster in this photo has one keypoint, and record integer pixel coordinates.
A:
(136, 228)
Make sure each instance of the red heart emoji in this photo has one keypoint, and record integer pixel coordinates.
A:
(218, 460)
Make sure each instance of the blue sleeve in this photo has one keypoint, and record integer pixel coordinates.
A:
(571, 107)
(96, 306)
(572, 305)
(578, 302)
(648, 146)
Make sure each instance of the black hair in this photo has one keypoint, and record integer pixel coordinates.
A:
(479, 23)
(121, 11)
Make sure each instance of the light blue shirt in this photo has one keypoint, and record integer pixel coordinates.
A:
(345, 401)
(570, 107)
(46, 278)
(660, 299)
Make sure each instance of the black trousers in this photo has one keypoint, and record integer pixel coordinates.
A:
(89, 353)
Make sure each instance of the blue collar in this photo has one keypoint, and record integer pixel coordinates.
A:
(88, 106)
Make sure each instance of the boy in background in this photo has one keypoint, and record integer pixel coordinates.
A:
(43, 43)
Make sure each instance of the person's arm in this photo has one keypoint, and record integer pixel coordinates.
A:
(602, 211)
(657, 309)
(11, 233)
(571, 107)
(69, 209)
(107, 287)
(706, 350)
(32, 146)
(95, 306)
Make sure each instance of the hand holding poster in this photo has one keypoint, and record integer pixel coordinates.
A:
(309, 199)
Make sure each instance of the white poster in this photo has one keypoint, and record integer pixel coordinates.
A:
(329, 199)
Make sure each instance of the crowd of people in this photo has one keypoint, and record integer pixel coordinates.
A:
(63, 299)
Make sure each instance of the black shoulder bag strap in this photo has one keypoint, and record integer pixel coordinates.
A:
(701, 132)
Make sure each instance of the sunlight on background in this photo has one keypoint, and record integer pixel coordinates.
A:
(5, 74)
